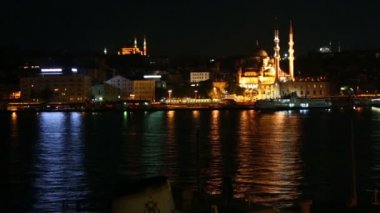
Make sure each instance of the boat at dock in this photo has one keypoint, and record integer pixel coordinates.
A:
(293, 103)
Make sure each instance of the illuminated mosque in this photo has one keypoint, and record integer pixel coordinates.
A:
(263, 78)
(134, 50)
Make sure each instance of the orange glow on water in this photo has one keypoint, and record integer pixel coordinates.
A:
(268, 168)
(195, 113)
(215, 167)
(14, 116)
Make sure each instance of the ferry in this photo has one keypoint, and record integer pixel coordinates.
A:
(375, 102)
(293, 103)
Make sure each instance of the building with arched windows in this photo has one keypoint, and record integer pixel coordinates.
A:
(262, 77)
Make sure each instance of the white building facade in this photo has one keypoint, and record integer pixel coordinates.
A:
(124, 85)
(196, 77)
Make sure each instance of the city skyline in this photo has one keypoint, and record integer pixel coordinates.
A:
(212, 28)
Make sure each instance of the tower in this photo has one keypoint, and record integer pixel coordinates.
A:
(277, 53)
(135, 45)
(291, 52)
(144, 47)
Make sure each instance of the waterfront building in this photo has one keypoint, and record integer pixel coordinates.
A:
(124, 85)
(105, 92)
(219, 87)
(56, 88)
(196, 77)
(10, 91)
(308, 87)
(157, 77)
(135, 89)
(262, 77)
(258, 76)
(143, 90)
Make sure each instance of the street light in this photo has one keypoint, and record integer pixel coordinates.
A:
(195, 94)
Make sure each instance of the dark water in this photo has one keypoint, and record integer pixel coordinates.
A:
(51, 158)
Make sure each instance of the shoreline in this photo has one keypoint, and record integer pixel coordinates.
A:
(188, 109)
(337, 103)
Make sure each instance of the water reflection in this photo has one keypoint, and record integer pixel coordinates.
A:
(153, 144)
(259, 151)
(268, 158)
(14, 124)
(58, 163)
(214, 172)
(375, 148)
(171, 148)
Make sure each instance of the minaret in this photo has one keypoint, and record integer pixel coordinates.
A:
(291, 52)
(277, 53)
(144, 47)
(134, 45)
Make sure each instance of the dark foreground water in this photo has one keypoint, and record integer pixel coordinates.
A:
(51, 158)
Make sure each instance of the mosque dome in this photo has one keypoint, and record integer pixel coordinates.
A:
(260, 53)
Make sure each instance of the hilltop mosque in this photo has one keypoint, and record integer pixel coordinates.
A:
(134, 50)
(263, 78)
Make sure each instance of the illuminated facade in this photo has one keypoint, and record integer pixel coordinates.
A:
(134, 89)
(105, 92)
(196, 77)
(56, 88)
(263, 78)
(258, 76)
(123, 84)
(143, 90)
(9, 92)
(135, 50)
(309, 87)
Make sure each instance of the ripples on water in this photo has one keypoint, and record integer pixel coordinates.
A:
(268, 158)
(51, 160)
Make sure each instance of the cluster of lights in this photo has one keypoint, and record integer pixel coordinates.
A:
(56, 71)
(31, 67)
(152, 76)
(51, 71)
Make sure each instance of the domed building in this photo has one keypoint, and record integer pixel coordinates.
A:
(262, 77)
(257, 75)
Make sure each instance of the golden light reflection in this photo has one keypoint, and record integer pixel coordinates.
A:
(215, 169)
(269, 163)
(170, 114)
(244, 155)
(171, 148)
(214, 126)
(14, 116)
(195, 113)
(14, 124)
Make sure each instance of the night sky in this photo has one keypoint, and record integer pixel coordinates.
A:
(192, 27)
